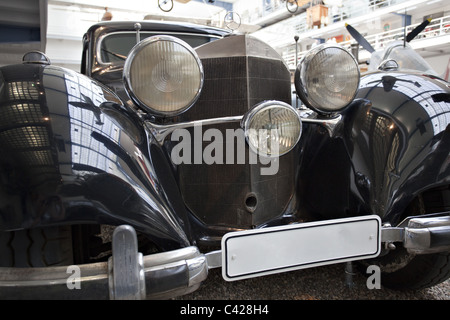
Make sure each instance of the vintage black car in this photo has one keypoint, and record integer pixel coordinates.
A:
(177, 149)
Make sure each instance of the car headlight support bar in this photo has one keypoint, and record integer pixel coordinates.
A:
(161, 132)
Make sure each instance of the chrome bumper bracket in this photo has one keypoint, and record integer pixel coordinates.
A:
(126, 266)
(421, 234)
(428, 235)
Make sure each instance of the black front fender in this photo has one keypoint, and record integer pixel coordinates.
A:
(72, 152)
(393, 144)
(402, 147)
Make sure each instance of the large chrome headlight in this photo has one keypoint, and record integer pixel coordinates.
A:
(163, 75)
(272, 128)
(327, 79)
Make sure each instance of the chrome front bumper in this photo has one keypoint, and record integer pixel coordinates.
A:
(129, 275)
(421, 234)
(126, 276)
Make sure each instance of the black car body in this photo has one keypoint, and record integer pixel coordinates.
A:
(84, 151)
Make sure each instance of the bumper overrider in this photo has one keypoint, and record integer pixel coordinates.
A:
(130, 275)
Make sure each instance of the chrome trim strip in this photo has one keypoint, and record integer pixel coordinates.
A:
(160, 132)
(424, 222)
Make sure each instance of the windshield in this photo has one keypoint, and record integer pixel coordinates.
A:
(404, 55)
(115, 46)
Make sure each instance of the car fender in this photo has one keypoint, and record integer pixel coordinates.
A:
(402, 148)
(392, 144)
(72, 152)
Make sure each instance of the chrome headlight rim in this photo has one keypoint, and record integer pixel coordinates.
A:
(271, 104)
(302, 88)
(127, 74)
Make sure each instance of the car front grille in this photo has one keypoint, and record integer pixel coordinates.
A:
(233, 85)
(237, 195)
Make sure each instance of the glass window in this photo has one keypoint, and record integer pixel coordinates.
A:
(115, 47)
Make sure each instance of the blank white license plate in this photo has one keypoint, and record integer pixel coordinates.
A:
(253, 253)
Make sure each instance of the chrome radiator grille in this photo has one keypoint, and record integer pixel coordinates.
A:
(237, 195)
(233, 85)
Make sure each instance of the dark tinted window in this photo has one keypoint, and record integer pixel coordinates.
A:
(115, 47)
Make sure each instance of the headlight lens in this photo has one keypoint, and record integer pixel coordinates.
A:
(164, 75)
(272, 128)
(327, 79)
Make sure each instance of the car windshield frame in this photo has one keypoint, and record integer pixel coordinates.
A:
(143, 34)
(406, 57)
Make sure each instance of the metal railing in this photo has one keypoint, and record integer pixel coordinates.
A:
(438, 27)
(348, 9)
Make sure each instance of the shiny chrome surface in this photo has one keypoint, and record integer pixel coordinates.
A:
(126, 266)
(420, 234)
(427, 222)
(426, 235)
(329, 123)
(35, 57)
(388, 65)
(214, 259)
(161, 132)
(327, 79)
(138, 27)
(420, 241)
(183, 271)
(266, 105)
(165, 56)
(238, 46)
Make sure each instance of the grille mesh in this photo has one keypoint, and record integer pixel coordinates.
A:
(217, 193)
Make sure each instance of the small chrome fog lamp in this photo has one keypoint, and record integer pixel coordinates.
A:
(272, 128)
(163, 75)
(327, 79)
